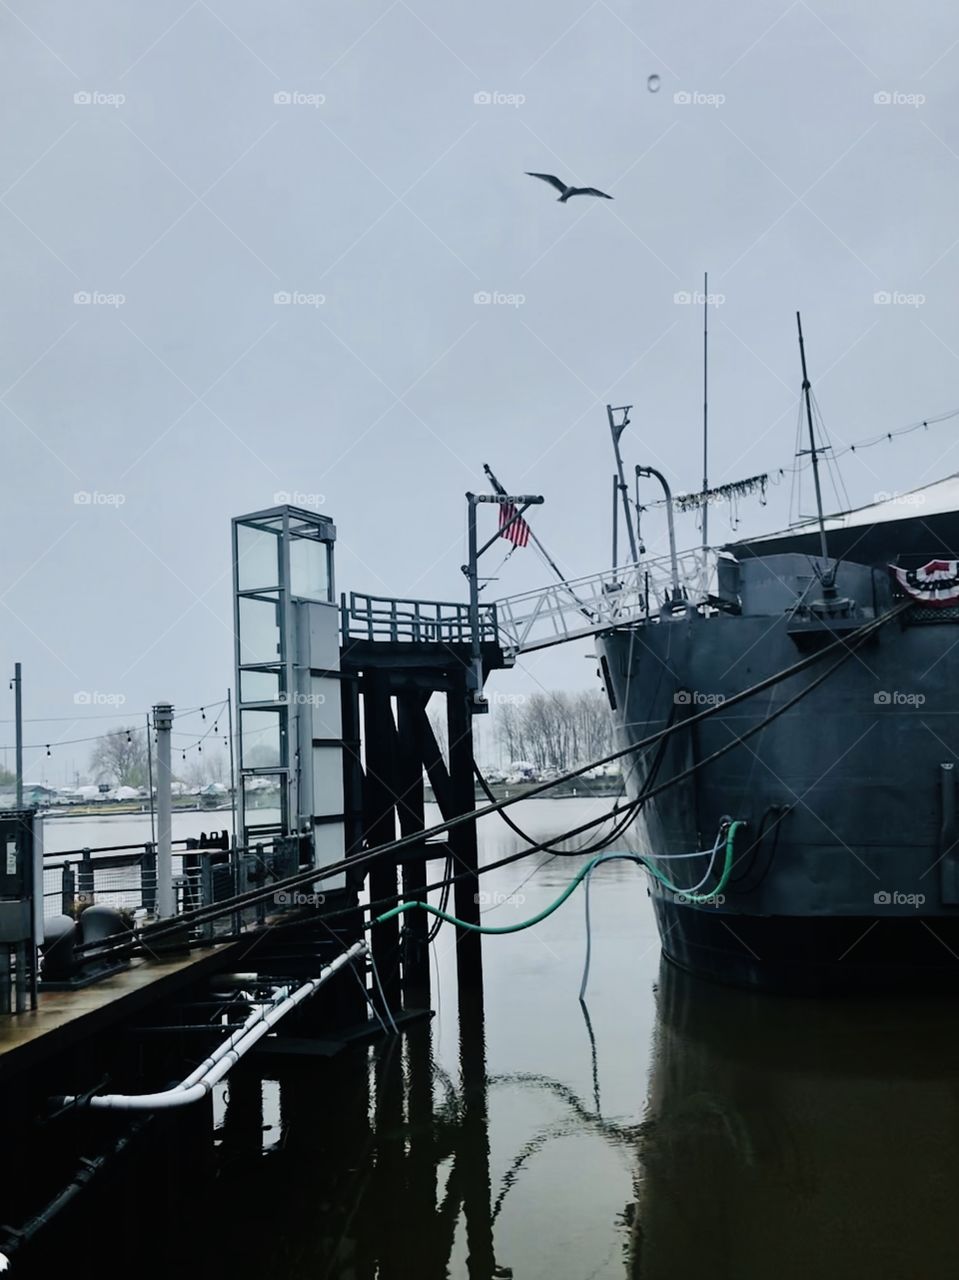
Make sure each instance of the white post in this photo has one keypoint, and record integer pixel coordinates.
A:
(163, 723)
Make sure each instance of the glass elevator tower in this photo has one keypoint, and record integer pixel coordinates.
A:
(286, 629)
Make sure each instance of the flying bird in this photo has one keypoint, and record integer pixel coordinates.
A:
(566, 191)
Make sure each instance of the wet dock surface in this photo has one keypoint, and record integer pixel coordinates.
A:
(65, 1017)
(670, 1129)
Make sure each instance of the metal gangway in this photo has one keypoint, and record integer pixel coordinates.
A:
(582, 607)
(564, 610)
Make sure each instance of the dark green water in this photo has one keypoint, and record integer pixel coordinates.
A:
(677, 1130)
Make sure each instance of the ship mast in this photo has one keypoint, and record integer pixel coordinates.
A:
(705, 414)
(616, 429)
(812, 443)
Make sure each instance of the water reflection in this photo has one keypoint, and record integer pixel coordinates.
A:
(383, 1168)
(780, 1137)
(381, 1157)
(795, 1137)
(669, 1129)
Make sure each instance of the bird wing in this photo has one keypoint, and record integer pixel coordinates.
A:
(547, 177)
(589, 191)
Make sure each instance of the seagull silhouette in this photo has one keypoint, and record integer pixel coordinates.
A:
(566, 191)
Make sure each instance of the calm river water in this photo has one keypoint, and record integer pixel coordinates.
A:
(667, 1129)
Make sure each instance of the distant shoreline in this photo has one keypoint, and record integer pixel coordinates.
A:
(120, 809)
(581, 788)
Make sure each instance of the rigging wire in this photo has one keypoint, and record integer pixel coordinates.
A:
(777, 474)
(829, 456)
(123, 729)
(602, 841)
(847, 644)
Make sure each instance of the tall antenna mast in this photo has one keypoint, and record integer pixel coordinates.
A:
(616, 429)
(705, 411)
(812, 442)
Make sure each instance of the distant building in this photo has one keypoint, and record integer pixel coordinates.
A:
(34, 796)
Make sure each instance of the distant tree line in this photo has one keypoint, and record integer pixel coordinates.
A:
(554, 730)
(121, 758)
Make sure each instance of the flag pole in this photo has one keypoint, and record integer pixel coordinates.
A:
(532, 536)
(536, 543)
(516, 505)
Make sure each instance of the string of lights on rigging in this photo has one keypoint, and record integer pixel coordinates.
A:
(742, 488)
(47, 747)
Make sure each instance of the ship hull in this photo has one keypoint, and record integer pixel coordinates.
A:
(846, 872)
(811, 955)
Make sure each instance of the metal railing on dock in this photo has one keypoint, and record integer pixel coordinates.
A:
(416, 621)
(204, 873)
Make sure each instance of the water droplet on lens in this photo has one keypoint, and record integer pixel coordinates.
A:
(652, 84)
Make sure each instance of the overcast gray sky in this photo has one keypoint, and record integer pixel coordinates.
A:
(177, 180)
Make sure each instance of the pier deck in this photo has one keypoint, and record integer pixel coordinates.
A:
(63, 1018)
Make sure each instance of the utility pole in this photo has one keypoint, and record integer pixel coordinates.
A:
(472, 573)
(153, 831)
(163, 723)
(233, 796)
(18, 716)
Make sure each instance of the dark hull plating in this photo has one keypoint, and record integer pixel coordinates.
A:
(847, 872)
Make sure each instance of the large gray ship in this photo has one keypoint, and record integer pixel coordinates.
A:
(810, 683)
(848, 866)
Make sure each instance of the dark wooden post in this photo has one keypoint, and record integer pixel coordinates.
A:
(380, 824)
(411, 807)
(85, 883)
(462, 839)
(68, 889)
(473, 1140)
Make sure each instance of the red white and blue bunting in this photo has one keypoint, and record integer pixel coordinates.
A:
(935, 584)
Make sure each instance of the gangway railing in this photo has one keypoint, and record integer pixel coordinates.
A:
(381, 618)
(580, 607)
(554, 614)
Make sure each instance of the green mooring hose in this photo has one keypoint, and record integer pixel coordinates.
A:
(577, 879)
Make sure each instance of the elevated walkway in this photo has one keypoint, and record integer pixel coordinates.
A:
(522, 623)
(582, 607)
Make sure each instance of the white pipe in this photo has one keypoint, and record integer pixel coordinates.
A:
(222, 1049)
(210, 1072)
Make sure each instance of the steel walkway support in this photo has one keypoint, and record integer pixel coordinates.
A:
(398, 654)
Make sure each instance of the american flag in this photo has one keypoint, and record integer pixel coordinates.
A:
(518, 531)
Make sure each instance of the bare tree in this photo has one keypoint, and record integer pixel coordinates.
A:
(204, 768)
(555, 729)
(509, 728)
(120, 757)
